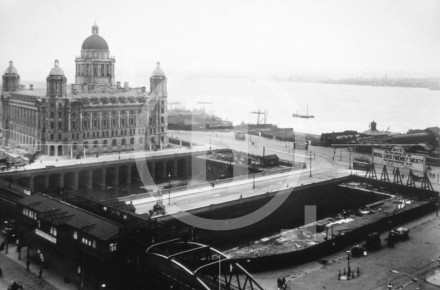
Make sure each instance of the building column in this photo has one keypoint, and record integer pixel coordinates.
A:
(89, 183)
(75, 180)
(116, 177)
(128, 177)
(164, 169)
(61, 180)
(188, 172)
(175, 168)
(46, 182)
(31, 183)
(153, 170)
(103, 179)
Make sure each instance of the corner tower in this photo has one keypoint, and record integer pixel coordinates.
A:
(11, 79)
(95, 69)
(158, 82)
(158, 118)
(56, 82)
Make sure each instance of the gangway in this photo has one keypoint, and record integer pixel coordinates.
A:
(180, 264)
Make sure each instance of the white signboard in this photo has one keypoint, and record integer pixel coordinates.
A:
(397, 157)
(46, 236)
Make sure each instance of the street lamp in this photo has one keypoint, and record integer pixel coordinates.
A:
(253, 182)
(169, 188)
(310, 164)
(349, 158)
(348, 263)
(209, 141)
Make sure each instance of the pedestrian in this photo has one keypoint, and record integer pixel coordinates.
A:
(28, 263)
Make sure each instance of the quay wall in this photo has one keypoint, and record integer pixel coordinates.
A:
(275, 261)
(327, 196)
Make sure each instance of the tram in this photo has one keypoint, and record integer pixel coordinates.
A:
(362, 163)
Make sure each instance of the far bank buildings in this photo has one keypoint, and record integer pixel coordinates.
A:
(95, 116)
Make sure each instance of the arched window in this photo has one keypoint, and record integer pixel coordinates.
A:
(123, 142)
(131, 141)
(104, 143)
(114, 142)
(95, 144)
(86, 145)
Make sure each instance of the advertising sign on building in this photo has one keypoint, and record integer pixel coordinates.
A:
(46, 236)
(397, 157)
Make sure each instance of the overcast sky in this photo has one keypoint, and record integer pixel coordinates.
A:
(251, 36)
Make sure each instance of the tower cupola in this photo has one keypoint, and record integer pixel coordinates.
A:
(56, 82)
(158, 82)
(11, 79)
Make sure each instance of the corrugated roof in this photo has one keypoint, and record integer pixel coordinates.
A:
(49, 209)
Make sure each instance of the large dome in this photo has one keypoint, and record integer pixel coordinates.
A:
(95, 42)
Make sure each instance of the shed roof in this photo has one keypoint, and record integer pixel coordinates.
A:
(58, 212)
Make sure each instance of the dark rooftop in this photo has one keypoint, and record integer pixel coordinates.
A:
(58, 212)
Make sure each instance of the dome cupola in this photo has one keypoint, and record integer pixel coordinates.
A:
(11, 69)
(11, 79)
(56, 70)
(158, 72)
(95, 69)
(95, 41)
(56, 82)
(158, 82)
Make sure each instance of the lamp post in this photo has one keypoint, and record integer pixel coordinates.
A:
(209, 141)
(348, 263)
(310, 164)
(253, 185)
(293, 148)
(349, 158)
(169, 188)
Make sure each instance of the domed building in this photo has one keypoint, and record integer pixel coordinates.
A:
(92, 116)
(95, 69)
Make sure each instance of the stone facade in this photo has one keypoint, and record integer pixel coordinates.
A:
(97, 116)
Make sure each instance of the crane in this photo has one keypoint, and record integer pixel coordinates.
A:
(259, 112)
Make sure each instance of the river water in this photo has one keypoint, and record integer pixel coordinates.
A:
(335, 107)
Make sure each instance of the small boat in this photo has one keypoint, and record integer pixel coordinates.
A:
(307, 116)
(303, 116)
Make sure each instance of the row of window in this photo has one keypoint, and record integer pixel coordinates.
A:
(52, 114)
(29, 213)
(92, 243)
(53, 231)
